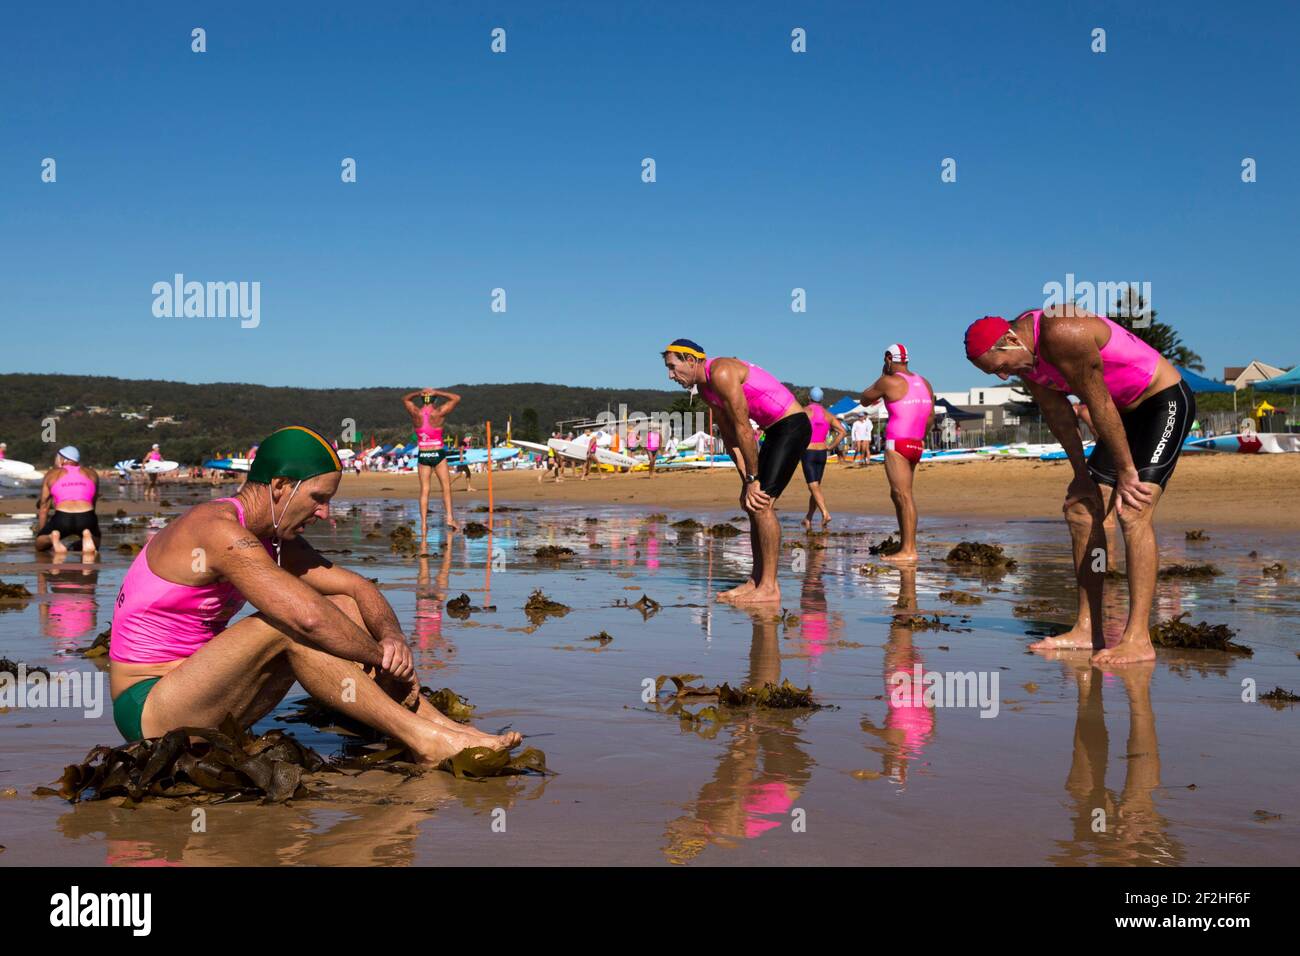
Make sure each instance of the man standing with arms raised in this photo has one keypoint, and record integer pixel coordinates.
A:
(740, 391)
(909, 399)
(1141, 411)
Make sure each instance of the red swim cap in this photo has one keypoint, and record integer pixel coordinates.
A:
(983, 334)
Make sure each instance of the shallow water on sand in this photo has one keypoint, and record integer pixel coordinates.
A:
(1160, 764)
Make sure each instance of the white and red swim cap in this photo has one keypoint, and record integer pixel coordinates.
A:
(897, 352)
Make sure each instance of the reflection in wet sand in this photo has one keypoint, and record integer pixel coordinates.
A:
(1128, 829)
(636, 785)
(909, 724)
(760, 772)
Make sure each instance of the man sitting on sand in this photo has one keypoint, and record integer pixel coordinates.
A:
(1140, 409)
(741, 392)
(176, 663)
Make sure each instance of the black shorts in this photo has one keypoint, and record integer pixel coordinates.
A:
(1156, 430)
(433, 457)
(70, 524)
(783, 447)
(814, 464)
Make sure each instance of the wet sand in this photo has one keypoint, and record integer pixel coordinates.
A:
(1180, 768)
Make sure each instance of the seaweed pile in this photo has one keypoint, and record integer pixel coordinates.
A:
(890, 545)
(981, 555)
(460, 607)
(1177, 633)
(13, 592)
(1190, 571)
(783, 696)
(647, 605)
(725, 531)
(1036, 606)
(960, 597)
(225, 764)
(603, 637)
(553, 552)
(539, 607)
(1278, 698)
(475, 529)
(687, 524)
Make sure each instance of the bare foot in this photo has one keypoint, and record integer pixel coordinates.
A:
(759, 595)
(440, 745)
(1130, 650)
(826, 520)
(57, 544)
(1076, 638)
(87, 543)
(807, 523)
(900, 557)
(737, 591)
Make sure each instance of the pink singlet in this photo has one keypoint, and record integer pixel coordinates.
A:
(1127, 364)
(156, 620)
(73, 485)
(768, 399)
(428, 437)
(908, 415)
(821, 425)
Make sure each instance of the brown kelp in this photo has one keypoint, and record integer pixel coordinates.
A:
(1177, 633)
(539, 607)
(890, 545)
(13, 592)
(783, 696)
(960, 597)
(1189, 571)
(981, 555)
(554, 553)
(1278, 698)
(724, 531)
(224, 764)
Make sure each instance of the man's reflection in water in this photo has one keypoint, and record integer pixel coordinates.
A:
(1127, 829)
(761, 772)
(71, 614)
(909, 722)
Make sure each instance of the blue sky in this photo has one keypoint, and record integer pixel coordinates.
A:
(522, 171)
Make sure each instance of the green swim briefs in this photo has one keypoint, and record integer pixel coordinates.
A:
(129, 706)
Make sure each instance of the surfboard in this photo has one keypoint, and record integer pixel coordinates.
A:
(227, 464)
(530, 445)
(345, 454)
(160, 467)
(1247, 443)
(615, 459)
(569, 449)
(16, 469)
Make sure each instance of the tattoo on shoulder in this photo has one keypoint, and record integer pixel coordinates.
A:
(244, 543)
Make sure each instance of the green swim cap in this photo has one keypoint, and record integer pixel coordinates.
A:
(294, 452)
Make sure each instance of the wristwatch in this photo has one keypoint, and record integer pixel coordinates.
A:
(749, 478)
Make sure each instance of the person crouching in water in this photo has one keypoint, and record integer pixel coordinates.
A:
(741, 391)
(178, 662)
(65, 513)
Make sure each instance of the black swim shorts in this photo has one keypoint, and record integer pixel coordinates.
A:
(1156, 430)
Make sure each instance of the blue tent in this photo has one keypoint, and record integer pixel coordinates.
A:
(1199, 383)
(845, 404)
(1283, 383)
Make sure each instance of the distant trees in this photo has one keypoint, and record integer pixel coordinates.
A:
(1160, 336)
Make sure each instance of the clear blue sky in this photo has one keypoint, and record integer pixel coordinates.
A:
(522, 171)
